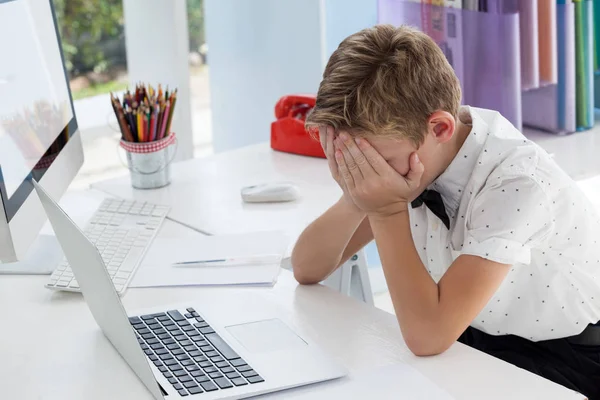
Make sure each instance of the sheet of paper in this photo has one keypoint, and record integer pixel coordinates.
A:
(157, 268)
(397, 381)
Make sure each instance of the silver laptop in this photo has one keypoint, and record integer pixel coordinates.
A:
(192, 351)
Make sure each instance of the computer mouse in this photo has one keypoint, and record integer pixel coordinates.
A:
(270, 193)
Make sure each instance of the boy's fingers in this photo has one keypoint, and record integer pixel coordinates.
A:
(346, 175)
(377, 162)
(349, 161)
(359, 158)
(416, 171)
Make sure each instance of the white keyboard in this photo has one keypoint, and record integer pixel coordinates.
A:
(122, 231)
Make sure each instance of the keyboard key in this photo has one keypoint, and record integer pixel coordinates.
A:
(244, 368)
(172, 381)
(154, 326)
(201, 325)
(227, 370)
(196, 390)
(167, 375)
(156, 346)
(166, 339)
(177, 352)
(179, 373)
(190, 384)
(173, 346)
(199, 319)
(206, 331)
(215, 375)
(135, 320)
(186, 342)
(148, 352)
(186, 378)
(202, 378)
(189, 315)
(239, 382)
(164, 319)
(187, 362)
(190, 310)
(237, 363)
(188, 328)
(220, 345)
(232, 375)
(255, 379)
(195, 314)
(192, 367)
(138, 326)
(163, 369)
(211, 353)
(182, 392)
(248, 374)
(172, 328)
(175, 315)
(208, 386)
(165, 357)
(182, 357)
(147, 317)
(152, 341)
(183, 323)
(178, 386)
(143, 331)
(152, 357)
(168, 322)
(216, 359)
(171, 362)
(210, 369)
(160, 331)
(206, 347)
(223, 383)
(190, 348)
(145, 346)
(200, 358)
(158, 363)
(161, 351)
(179, 338)
(197, 373)
(148, 336)
(205, 364)
(195, 353)
(222, 364)
(193, 334)
(198, 339)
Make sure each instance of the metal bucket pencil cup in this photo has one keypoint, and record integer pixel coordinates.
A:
(149, 163)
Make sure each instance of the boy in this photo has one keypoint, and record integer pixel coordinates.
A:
(482, 237)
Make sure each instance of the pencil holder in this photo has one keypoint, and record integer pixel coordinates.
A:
(150, 163)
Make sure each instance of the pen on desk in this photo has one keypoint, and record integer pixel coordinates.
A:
(229, 262)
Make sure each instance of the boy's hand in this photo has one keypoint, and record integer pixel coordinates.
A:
(374, 186)
(326, 135)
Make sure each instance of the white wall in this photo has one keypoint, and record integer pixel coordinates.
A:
(260, 50)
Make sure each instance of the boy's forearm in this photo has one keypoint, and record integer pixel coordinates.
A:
(414, 294)
(319, 249)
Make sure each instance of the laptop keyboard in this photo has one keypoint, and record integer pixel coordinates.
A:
(190, 355)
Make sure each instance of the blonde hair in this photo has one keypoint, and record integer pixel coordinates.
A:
(385, 81)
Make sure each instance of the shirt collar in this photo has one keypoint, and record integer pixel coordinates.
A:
(452, 182)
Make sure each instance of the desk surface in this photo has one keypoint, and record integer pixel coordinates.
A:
(51, 348)
(206, 191)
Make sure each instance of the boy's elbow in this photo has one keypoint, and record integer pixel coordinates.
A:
(303, 278)
(424, 347)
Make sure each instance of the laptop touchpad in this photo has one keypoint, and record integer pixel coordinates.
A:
(265, 336)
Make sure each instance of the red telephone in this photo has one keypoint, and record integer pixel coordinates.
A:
(287, 131)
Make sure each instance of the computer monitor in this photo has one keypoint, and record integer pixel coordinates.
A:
(38, 131)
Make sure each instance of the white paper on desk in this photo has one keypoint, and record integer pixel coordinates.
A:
(397, 381)
(157, 267)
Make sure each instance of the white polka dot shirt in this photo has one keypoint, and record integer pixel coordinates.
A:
(509, 202)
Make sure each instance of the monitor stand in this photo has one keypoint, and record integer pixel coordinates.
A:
(43, 257)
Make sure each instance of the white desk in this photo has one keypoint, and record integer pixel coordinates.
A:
(205, 193)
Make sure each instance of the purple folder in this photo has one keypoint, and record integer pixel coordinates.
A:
(487, 62)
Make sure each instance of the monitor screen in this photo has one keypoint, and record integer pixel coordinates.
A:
(35, 103)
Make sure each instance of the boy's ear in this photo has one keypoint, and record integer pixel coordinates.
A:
(441, 124)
